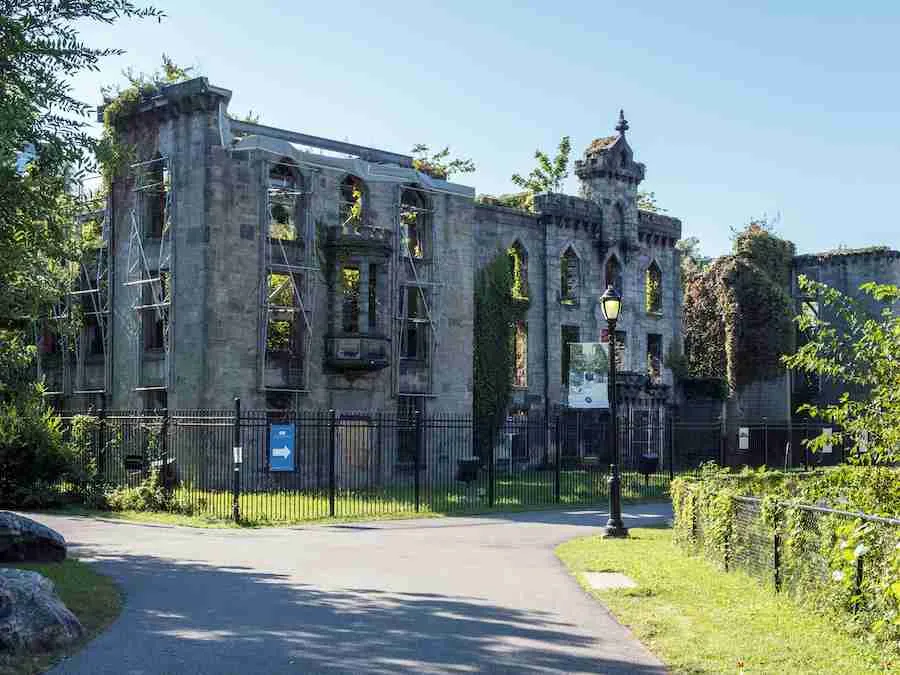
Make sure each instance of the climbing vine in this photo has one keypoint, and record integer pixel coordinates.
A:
(496, 311)
(738, 311)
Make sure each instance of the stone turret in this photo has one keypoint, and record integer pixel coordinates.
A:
(609, 176)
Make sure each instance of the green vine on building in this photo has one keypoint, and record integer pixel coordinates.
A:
(738, 310)
(496, 312)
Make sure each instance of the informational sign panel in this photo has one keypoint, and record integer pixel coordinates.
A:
(827, 448)
(588, 375)
(281, 447)
(743, 438)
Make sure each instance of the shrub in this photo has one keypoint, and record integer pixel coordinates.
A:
(33, 455)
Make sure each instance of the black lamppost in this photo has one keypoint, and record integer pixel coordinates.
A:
(610, 304)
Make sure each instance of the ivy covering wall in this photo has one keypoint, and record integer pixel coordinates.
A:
(738, 311)
(496, 312)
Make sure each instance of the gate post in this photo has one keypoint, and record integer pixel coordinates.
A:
(417, 460)
(557, 468)
(238, 458)
(331, 461)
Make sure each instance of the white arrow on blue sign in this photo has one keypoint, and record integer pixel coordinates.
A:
(281, 447)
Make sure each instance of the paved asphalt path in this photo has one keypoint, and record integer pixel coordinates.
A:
(451, 595)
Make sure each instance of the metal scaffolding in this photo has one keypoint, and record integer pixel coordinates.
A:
(288, 281)
(75, 335)
(148, 268)
(414, 265)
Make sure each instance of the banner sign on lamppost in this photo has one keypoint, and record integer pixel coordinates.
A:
(588, 375)
(281, 447)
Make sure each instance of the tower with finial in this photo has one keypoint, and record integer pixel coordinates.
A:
(609, 176)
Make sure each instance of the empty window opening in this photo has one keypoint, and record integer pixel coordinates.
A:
(154, 188)
(350, 290)
(614, 274)
(654, 357)
(520, 354)
(284, 195)
(569, 277)
(155, 311)
(653, 289)
(518, 260)
(415, 335)
(352, 201)
(415, 216)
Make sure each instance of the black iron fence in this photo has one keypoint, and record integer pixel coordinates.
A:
(284, 466)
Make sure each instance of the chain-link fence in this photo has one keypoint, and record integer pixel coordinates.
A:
(831, 559)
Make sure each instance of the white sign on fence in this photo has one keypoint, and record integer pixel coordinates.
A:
(826, 449)
(743, 438)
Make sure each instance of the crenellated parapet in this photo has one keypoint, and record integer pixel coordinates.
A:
(847, 256)
(568, 212)
(658, 229)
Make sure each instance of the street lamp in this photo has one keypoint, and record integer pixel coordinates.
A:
(611, 304)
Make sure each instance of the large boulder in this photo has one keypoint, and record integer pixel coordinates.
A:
(25, 540)
(32, 617)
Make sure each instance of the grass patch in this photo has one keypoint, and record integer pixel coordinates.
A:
(699, 619)
(93, 598)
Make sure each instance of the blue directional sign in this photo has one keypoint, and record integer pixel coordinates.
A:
(281, 447)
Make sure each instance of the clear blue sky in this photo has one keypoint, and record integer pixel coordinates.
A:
(790, 108)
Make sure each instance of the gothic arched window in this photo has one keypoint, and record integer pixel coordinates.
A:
(653, 289)
(285, 192)
(518, 259)
(569, 277)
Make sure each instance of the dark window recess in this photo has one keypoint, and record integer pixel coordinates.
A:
(569, 277)
(153, 197)
(518, 260)
(654, 357)
(373, 297)
(415, 337)
(569, 334)
(156, 399)
(277, 402)
(93, 336)
(155, 312)
(350, 293)
(415, 215)
(614, 274)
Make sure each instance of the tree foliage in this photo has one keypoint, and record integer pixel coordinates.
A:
(847, 344)
(549, 174)
(646, 201)
(438, 164)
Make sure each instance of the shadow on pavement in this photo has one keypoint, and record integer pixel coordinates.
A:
(186, 617)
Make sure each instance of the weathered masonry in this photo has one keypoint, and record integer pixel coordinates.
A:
(236, 259)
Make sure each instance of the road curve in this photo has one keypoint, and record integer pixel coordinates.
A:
(451, 595)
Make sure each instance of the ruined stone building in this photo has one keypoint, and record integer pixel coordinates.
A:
(236, 259)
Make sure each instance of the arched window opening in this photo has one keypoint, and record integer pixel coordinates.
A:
(520, 355)
(285, 193)
(653, 289)
(569, 277)
(415, 222)
(352, 201)
(518, 259)
(614, 274)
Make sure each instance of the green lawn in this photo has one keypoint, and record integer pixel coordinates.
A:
(698, 619)
(92, 597)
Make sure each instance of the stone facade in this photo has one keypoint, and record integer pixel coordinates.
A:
(297, 272)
